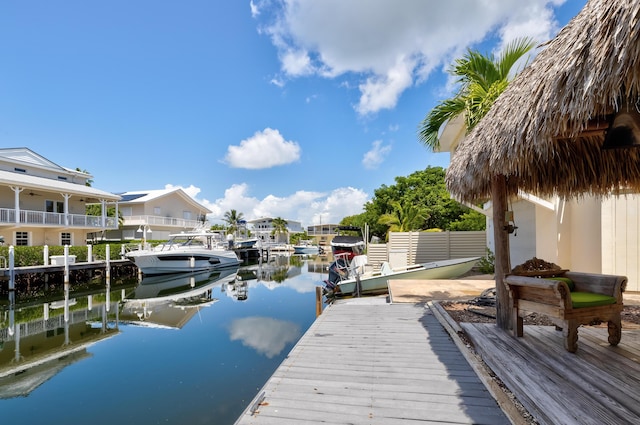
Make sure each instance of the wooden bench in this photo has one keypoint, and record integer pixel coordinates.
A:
(583, 299)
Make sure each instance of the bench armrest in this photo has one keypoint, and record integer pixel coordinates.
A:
(604, 284)
(552, 292)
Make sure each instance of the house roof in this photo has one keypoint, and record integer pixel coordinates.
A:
(545, 132)
(26, 181)
(143, 196)
(28, 157)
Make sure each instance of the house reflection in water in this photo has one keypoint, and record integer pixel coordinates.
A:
(38, 339)
(33, 350)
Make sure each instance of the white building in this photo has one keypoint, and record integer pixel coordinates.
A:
(262, 228)
(157, 213)
(42, 203)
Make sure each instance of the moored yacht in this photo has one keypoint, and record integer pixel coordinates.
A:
(185, 252)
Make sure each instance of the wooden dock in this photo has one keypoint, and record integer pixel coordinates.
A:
(368, 362)
(596, 385)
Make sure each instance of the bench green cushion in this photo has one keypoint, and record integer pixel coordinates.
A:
(566, 280)
(589, 299)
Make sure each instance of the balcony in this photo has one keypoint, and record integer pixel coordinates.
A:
(50, 219)
(156, 221)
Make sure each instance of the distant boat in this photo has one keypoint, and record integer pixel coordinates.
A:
(184, 252)
(245, 243)
(351, 277)
(306, 247)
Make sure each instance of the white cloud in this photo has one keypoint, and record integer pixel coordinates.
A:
(266, 335)
(376, 156)
(391, 45)
(264, 149)
(255, 11)
(191, 190)
(303, 206)
(296, 63)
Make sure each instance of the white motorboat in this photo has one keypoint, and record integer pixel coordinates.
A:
(184, 252)
(352, 245)
(306, 247)
(353, 277)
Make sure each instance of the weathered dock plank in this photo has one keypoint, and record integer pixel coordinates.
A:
(599, 380)
(374, 364)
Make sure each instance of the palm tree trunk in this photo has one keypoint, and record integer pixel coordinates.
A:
(502, 260)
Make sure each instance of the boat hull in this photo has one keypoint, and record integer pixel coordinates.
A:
(165, 262)
(446, 269)
(310, 250)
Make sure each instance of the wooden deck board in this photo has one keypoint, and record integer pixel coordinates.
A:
(596, 385)
(375, 364)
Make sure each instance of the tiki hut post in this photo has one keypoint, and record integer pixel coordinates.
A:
(502, 257)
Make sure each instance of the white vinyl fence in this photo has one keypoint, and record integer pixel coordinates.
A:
(423, 247)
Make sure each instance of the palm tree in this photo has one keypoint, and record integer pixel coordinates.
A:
(232, 217)
(404, 218)
(279, 226)
(482, 79)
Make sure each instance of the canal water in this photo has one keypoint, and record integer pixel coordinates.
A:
(181, 349)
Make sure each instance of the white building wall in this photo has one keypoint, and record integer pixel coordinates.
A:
(620, 238)
(586, 240)
(522, 243)
(547, 235)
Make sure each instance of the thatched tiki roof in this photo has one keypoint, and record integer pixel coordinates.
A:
(545, 132)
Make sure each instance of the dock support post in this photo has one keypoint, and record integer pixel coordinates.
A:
(46, 255)
(66, 283)
(318, 300)
(89, 253)
(66, 264)
(107, 250)
(12, 272)
(108, 277)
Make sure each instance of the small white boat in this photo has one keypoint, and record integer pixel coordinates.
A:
(185, 252)
(352, 278)
(350, 244)
(245, 243)
(306, 247)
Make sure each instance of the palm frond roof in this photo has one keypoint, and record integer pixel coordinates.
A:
(545, 131)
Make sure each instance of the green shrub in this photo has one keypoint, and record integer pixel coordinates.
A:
(34, 255)
(486, 264)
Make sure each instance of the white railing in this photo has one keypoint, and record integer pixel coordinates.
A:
(49, 219)
(153, 220)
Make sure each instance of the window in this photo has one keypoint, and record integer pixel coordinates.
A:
(62, 178)
(20, 170)
(22, 238)
(157, 211)
(54, 206)
(65, 238)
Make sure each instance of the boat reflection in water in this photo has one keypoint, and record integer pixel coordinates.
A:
(172, 300)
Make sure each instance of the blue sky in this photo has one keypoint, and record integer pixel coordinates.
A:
(284, 108)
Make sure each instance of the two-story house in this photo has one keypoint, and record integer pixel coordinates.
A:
(263, 229)
(155, 214)
(42, 203)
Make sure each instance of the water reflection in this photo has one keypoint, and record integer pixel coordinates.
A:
(266, 335)
(206, 339)
(170, 301)
(39, 339)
